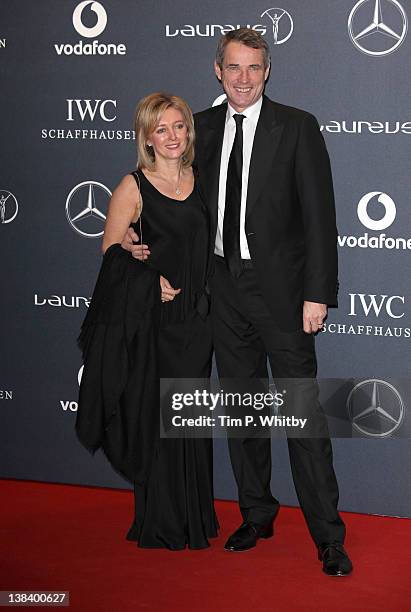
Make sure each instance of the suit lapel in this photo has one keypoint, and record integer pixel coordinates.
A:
(213, 143)
(266, 140)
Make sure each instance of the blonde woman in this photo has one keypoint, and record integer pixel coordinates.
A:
(174, 509)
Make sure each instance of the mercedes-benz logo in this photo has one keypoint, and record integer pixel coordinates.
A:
(378, 31)
(8, 206)
(287, 25)
(375, 408)
(84, 206)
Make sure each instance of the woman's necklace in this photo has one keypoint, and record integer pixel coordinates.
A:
(176, 188)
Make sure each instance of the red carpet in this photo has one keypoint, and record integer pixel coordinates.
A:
(61, 537)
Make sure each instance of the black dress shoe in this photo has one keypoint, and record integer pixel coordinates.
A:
(335, 560)
(247, 535)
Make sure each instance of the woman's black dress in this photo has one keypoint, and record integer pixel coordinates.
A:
(175, 508)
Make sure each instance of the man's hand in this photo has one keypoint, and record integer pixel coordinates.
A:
(313, 316)
(139, 251)
(167, 292)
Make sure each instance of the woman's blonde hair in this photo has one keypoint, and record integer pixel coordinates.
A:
(148, 113)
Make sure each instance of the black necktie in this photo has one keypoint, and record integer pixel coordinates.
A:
(231, 224)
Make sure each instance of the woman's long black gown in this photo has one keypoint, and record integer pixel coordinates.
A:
(175, 508)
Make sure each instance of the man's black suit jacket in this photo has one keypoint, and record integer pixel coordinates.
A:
(290, 215)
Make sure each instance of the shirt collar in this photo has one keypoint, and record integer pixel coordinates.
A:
(252, 112)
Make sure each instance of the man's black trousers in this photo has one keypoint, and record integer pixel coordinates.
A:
(244, 336)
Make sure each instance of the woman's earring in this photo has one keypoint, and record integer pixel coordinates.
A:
(150, 150)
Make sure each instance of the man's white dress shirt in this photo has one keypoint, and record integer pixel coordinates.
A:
(251, 115)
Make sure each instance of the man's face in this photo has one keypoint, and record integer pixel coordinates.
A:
(243, 75)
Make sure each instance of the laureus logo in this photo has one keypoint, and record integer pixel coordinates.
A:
(90, 21)
(8, 207)
(377, 27)
(282, 24)
(282, 27)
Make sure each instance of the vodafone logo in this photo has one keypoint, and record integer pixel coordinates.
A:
(98, 28)
(72, 406)
(376, 211)
(388, 204)
(90, 28)
(219, 100)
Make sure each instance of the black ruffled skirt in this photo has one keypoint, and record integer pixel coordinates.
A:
(175, 507)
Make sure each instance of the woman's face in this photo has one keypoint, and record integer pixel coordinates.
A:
(170, 137)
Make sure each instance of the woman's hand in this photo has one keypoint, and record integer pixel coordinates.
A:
(167, 292)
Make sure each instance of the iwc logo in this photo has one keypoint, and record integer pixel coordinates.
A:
(377, 27)
(375, 408)
(8, 207)
(373, 314)
(86, 118)
(86, 208)
(6, 395)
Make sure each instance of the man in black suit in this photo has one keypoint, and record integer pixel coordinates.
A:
(265, 173)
